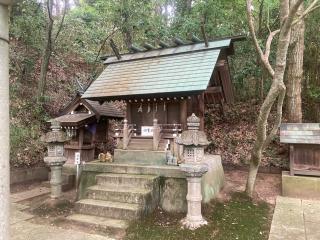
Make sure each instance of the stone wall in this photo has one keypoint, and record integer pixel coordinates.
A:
(29, 174)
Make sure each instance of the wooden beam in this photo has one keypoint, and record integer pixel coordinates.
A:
(163, 44)
(128, 113)
(81, 137)
(134, 48)
(226, 83)
(183, 113)
(213, 90)
(195, 39)
(201, 110)
(148, 46)
(178, 41)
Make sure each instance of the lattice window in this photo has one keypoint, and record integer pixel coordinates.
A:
(190, 152)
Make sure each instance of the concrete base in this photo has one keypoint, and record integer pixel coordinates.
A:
(142, 157)
(304, 187)
(213, 180)
(173, 183)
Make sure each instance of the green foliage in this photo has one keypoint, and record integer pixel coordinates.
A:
(314, 93)
(87, 26)
(28, 22)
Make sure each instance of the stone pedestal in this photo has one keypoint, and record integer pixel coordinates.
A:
(55, 159)
(55, 164)
(193, 141)
(56, 181)
(194, 218)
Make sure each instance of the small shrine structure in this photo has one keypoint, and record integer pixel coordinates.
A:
(161, 87)
(87, 125)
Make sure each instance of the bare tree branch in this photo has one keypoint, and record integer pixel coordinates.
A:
(292, 13)
(309, 9)
(114, 30)
(49, 8)
(62, 21)
(268, 43)
(265, 61)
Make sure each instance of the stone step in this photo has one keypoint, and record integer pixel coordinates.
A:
(119, 194)
(147, 140)
(113, 226)
(117, 210)
(135, 147)
(140, 157)
(126, 180)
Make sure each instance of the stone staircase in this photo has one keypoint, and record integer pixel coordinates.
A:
(115, 200)
(145, 143)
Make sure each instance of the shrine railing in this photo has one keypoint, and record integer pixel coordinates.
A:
(169, 129)
(124, 131)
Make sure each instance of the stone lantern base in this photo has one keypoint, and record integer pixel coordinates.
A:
(55, 164)
(193, 223)
(194, 172)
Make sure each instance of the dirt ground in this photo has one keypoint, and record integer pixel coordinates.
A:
(268, 186)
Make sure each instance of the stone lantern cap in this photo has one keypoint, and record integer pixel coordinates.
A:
(55, 135)
(192, 136)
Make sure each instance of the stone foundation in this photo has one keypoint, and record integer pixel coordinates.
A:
(172, 185)
(141, 157)
(304, 187)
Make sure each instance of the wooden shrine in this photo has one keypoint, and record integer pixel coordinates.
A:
(87, 124)
(162, 87)
(304, 144)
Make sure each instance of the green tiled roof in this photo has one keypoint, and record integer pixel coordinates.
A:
(182, 69)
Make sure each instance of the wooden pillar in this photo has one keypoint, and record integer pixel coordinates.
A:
(81, 138)
(107, 131)
(183, 113)
(128, 113)
(4, 121)
(125, 139)
(291, 158)
(201, 110)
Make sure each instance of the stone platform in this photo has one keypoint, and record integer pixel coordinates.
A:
(295, 219)
(112, 194)
(173, 184)
(305, 187)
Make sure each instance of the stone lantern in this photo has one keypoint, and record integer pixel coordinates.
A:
(55, 159)
(193, 142)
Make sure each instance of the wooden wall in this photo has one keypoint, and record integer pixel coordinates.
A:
(174, 112)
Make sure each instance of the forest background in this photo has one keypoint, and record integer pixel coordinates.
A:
(57, 44)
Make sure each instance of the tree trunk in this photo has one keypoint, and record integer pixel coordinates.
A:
(276, 92)
(46, 54)
(127, 28)
(4, 120)
(294, 73)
